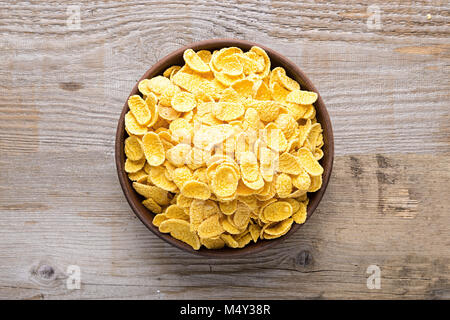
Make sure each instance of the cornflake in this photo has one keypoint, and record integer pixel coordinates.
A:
(224, 149)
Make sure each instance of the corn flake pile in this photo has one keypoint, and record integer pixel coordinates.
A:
(224, 149)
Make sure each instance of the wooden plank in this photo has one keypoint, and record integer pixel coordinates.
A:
(379, 209)
(387, 91)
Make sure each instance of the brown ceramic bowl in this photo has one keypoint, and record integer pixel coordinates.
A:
(176, 58)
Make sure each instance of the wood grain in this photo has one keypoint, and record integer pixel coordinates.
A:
(387, 92)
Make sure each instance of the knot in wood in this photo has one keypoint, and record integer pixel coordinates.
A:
(46, 272)
(304, 258)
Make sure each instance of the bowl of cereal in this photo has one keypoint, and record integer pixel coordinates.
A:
(224, 148)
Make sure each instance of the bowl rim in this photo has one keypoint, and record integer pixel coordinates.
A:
(146, 216)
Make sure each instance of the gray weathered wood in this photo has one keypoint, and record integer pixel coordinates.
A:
(387, 92)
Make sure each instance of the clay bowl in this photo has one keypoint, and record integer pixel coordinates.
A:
(176, 58)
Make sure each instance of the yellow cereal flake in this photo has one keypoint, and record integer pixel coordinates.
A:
(277, 211)
(255, 230)
(243, 190)
(200, 175)
(160, 123)
(302, 97)
(134, 166)
(279, 93)
(241, 217)
(171, 71)
(207, 136)
(205, 55)
(310, 111)
(133, 148)
(250, 201)
(176, 212)
(158, 84)
(169, 170)
(153, 149)
(159, 178)
(151, 101)
(244, 88)
(316, 183)
(179, 154)
(225, 181)
(302, 181)
(158, 219)
(210, 227)
(254, 185)
(287, 124)
(229, 240)
(249, 65)
(159, 195)
(139, 109)
(297, 194)
(252, 118)
(268, 191)
(303, 131)
(278, 75)
(268, 163)
(263, 59)
(227, 111)
(229, 227)
(249, 166)
(196, 189)
(262, 91)
(181, 131)
(294, 203)
(227, 80)
(300, 215)
(179, 229)
(212, 243)
(268, 110)
(208, 91)
(219, 60)
(228, 207)
(200, 210)
(297, 111)
(143, 87)
(318, 154)
(132, 126)
(231, 66)
(198, 157)
(151, 205)
(275, 138)
(283, 185)
(184, 102)
(166, 136)
(309, 163)
(280, 227)
(182, 175)
(138, 176)
(316, 130)
(195, 62)
(168, 113)
(230, 95)
(188, 80)
(244, 239)
(166, 97)
(183, 201)
(288, 163)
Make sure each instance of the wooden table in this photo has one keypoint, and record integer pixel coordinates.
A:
(386, 87)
